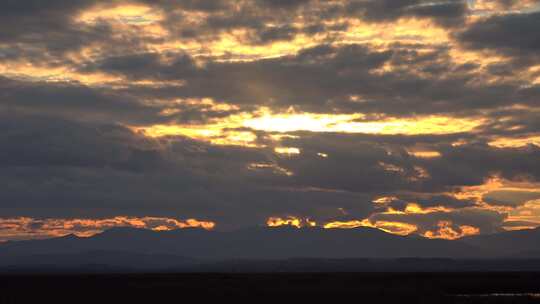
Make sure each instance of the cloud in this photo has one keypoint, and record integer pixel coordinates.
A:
(510, 197)
(328, 76)
(485, 221)
(80, 169)
(511, 34)
(398, 113)
(35, 141)
(72, 100)
(30, 228)
(447, 13)
(48, 25)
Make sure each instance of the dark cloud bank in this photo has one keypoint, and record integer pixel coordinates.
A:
(65, 150)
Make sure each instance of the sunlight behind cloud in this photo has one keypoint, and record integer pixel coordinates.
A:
(234, 129)
(405, 116)
(126, 13)
(349, 123)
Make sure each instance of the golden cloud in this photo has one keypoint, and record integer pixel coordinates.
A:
(234, 129)
(447, 231)
(24, 227)
(387, 226)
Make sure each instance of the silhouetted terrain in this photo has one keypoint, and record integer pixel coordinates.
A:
(269, 265)
(275, 249)
(521, 243)
(284, 287)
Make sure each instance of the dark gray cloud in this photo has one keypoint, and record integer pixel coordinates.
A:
(148, 66)
(73, 100)
(470, 162)
(97, 170)
(284, 3)
(60, 168)
(427, 201)
(511, 34)
(511, 198)
(37, 141)
(325, 80)
(325, 77)
(65, 150)
(48, 25)
(196, 5)
(275, 34)
(447, 13)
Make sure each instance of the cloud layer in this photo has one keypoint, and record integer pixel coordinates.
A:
(410, 116)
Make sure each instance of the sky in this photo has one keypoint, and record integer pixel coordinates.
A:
(414, 116)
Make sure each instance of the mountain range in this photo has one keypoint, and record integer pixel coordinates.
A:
(282, 248)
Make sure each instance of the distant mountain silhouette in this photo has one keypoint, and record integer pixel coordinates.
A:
(129, 248)
(508, 244)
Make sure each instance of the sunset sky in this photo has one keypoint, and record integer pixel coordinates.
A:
(411, 116)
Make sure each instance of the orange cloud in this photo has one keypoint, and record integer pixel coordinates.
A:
(447, 231)
(290, 221)
(527, 216)
(515, 142)
(398, 228)
(287, 150)
(125, 13)
(387, 226)
(240, 129)
(497, 184)
(29, 228)
(413, 208)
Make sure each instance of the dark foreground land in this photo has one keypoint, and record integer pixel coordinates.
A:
(278, 287)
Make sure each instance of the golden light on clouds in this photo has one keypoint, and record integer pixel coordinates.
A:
(323, 155)
(265, 120)
(496, 183)
(235, 46)
(398, 228)
(219, 132)
(527, 216)
(446, 231)
(62, 74)
(413, 208)
(125, 13)
(425, 154)
(481, 58)
(517, 199)
(290, 221)
(509, 142)
(287, 150)
(270, 166)
(24, 227)
(226, 131)
(444, 228)
(402, 102)
(383, 200)
(488, 7)
(403, 30)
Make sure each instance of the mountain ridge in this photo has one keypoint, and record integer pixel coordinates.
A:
(149, 249)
